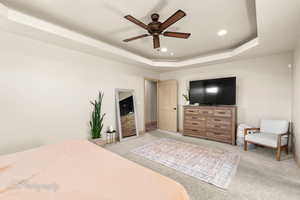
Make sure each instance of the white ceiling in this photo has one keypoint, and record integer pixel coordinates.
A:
(103, 20)
(97, 27)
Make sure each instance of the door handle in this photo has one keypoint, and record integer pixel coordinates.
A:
(175, 108)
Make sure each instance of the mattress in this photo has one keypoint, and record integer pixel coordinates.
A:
(81, 170)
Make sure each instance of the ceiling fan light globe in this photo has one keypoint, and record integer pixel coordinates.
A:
(163, 49)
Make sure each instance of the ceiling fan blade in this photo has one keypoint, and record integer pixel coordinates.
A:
(156, 43)
(136, 21)
(173, 19)
(137, 37)
(177, 34)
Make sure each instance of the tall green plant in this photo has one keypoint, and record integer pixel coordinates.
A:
(96, 122)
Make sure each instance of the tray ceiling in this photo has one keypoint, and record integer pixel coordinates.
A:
(103, 20)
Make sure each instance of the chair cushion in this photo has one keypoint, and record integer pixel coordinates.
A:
(274, 126)
(268, 139)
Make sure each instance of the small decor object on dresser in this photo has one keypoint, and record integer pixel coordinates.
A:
(187, 99)
(211, 122)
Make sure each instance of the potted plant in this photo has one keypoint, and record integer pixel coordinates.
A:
(96, 122)
(187, 99)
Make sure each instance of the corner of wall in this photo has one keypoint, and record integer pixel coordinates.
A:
(295, 104)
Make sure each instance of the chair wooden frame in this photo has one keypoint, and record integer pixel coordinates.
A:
(279, 147)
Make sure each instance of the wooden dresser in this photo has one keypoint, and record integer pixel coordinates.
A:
(128, 125)
(210, 122)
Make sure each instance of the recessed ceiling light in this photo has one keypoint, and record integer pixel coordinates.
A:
(163, 49)
(222, 32)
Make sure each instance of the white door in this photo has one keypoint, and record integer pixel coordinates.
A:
(167, 105)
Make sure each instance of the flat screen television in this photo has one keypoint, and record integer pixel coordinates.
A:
(220, 91)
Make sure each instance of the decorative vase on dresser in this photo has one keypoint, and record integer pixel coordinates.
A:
(216, 123)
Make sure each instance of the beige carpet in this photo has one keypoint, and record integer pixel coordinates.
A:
(258, 177)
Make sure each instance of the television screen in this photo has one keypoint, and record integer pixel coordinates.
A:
(220, 91)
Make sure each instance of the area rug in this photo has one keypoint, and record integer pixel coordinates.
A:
(214, 166)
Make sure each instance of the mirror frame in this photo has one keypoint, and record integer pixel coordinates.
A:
(118, 117)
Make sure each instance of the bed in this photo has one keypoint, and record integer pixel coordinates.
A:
(81, 170)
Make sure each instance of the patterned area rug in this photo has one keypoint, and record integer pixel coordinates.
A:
(213, 166)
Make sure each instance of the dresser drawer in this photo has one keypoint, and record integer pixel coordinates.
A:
(206, 112)
(195, 132)
(219, 135)
(194, 118)
(218, 126)
(195, 123)
(222, 113)
(199, 111)
(195, 128)
(191, 111)
(219, 121)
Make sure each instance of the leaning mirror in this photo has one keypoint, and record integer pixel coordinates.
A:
(126, 113)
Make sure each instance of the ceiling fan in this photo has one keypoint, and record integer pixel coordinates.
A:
(156, 28)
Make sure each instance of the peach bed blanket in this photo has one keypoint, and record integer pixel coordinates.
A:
(77, 170)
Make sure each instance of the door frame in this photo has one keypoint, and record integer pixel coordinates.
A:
(145, 102)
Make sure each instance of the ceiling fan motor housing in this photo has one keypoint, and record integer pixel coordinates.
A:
(154, 26)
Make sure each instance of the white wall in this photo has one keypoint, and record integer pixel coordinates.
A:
(151, 100)
(296, 100)
(263, 86)
(45, 92)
